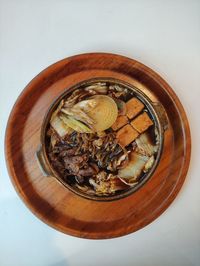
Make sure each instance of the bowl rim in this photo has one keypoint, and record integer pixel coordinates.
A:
(151, 108)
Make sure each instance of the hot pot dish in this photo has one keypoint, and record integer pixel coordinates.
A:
(102, 139)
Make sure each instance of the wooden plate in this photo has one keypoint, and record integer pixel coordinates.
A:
(51, 201)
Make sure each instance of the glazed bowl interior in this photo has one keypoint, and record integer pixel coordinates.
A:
(157, 123)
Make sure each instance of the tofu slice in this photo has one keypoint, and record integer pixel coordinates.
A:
(126, 135)
(142, 122)
(120, 122)
(133, 107)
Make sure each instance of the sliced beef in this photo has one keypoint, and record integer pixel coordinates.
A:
(68, 152)
(89, 171)
(84, 155)
(57, 164)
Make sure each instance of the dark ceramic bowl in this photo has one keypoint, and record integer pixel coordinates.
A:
(157, 112)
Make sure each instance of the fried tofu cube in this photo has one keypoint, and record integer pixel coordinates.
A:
(133, 107)
(142, 122)
(126, 135)
(120, 122)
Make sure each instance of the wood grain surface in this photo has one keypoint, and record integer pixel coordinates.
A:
(55, 204)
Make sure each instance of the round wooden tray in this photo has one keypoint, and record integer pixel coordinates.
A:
(55, 204)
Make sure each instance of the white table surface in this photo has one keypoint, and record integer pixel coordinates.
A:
(164, 35)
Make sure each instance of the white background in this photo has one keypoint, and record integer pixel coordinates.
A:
(164, 35)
